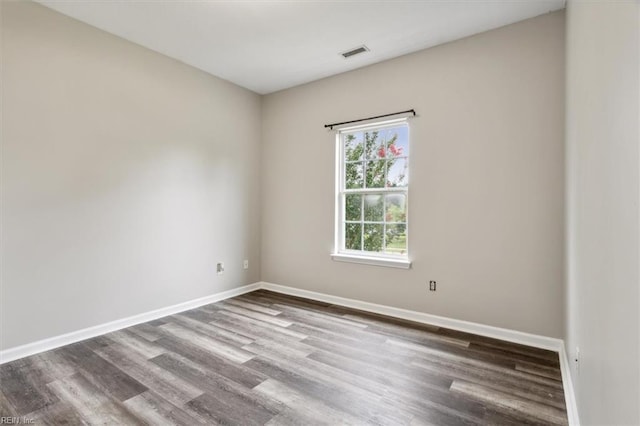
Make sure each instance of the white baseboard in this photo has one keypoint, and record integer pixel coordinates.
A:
(17, 352)
(567, 384)
(421, 317)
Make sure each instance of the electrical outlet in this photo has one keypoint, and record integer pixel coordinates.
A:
(220, 268)
(432, 286)
(577, 359)
(245, 265)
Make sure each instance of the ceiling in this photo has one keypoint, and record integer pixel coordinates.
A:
(267, 45)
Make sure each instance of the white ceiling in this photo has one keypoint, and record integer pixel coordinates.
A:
(267, 45)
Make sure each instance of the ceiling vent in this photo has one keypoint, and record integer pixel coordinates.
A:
(355, 51)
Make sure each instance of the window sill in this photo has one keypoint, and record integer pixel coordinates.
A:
(370, 260)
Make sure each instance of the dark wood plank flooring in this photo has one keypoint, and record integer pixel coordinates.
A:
(266, 358)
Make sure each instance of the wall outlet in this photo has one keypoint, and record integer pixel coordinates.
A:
(576, 359)
(432, 286)
(220, 268)
(245, 265)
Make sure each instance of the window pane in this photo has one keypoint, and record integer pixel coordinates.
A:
(399, 138)
(353, 175)
(398, 172)
(376, 173)
(352, 236)
(395, 208)
(353, 207)
(373, 208)
(396, 239)
(373, 143)
(353, 146)
(394, 142)
(373, 237)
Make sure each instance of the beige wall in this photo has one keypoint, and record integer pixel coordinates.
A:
(603, 320)
(487, 173)
(125, 176)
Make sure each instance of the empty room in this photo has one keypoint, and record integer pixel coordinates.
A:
(318, 212)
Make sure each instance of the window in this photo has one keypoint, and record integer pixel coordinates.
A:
(372, 194)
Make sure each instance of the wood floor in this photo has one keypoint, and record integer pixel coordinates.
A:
(266, 358)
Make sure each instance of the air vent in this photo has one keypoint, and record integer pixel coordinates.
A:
(355, 51)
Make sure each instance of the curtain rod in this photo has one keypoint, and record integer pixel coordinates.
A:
(331, 126)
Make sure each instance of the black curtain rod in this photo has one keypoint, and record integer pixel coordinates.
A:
(331, 126)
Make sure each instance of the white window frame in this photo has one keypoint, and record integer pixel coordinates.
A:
(361, 256)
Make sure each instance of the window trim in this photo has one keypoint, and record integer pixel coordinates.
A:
(360, 256)
(371, 260)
